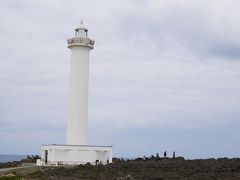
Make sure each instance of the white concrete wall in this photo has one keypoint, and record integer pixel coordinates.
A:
(78, 96)
(63, 154)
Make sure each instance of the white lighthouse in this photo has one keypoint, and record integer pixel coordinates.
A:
(80, 47)
(77, 151)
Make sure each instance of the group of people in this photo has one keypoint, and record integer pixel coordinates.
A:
(165, 154)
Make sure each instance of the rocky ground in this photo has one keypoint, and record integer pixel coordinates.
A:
(31, 159)
(149, 168)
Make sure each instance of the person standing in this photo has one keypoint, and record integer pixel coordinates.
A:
(165, 154)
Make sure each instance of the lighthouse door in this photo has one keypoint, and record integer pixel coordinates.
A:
(46, 156)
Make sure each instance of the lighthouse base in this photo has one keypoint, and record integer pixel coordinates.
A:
(56, 155)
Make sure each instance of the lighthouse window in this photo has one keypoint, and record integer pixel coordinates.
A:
(81, 33)
(76, 33)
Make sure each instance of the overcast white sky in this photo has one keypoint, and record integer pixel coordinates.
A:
(164, 75)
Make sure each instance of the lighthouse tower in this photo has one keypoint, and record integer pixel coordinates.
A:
(80, 47)
(77, 151)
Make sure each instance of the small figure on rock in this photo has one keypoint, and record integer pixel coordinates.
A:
(165, 154)
(174, 154)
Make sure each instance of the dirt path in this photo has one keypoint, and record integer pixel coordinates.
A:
(25, 168)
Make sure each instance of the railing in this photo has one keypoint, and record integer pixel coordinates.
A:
(81, 41)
